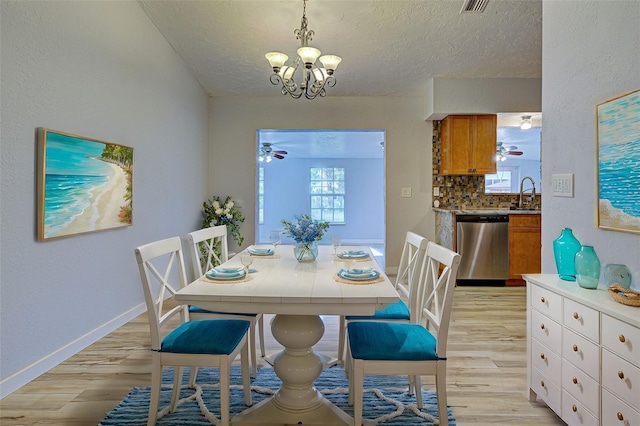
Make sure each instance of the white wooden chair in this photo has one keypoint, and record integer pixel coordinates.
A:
(203, 343)
(204, 258)
(411, 262)
(416, 349)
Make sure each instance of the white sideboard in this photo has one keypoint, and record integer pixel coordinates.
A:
(583, 352)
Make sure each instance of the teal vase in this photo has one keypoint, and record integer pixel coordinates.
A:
(565, 248)
(306, 252)
(587, 267)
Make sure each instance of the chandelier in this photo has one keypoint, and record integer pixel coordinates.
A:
(314, 77)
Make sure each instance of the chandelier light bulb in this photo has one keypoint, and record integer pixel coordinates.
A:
(526, 122)
(276, 60)
(330, 62)
(308, 55)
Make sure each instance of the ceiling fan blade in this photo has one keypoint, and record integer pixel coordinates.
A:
(281, 152)
(514, 153)
(278, 156)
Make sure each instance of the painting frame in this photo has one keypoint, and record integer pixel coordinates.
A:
(618, 160)
(84, 184)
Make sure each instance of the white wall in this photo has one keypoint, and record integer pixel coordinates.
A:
(286, 193)
(589, 54)
(232, 134)
(102, 70)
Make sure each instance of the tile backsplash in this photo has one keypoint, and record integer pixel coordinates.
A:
(462, 191)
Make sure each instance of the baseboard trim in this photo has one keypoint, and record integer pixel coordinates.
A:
(21, 377)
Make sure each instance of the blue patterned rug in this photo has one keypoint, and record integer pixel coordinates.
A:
(386, 400)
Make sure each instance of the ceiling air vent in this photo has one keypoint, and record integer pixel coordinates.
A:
(474, 6)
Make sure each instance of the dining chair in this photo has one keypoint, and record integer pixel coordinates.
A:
(411, 262)
(203, 244)
(199, 343)
(418, 348)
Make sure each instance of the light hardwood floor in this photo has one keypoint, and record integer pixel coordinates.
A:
(486, 370)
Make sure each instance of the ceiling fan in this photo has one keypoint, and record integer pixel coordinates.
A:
(267, 153)
(503, 151)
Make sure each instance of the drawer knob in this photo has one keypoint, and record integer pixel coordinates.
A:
(574, 408)
(575, 380)
(575, 315)
(575, 348)
(620, 416)
(621, 374)
(542, 326)
(541, 356)
(542, 299)
(622, 338)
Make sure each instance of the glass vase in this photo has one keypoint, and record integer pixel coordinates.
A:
(306, 252)
(565, 248)
(587, 267)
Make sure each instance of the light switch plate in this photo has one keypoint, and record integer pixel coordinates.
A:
(562, 185)
(406, 192)
(436, 191)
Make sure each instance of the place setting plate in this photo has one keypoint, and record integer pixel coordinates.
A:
(358, 276)
(260, 251)
(226, 275)
(354, 255)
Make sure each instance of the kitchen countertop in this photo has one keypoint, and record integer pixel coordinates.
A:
(484, 211)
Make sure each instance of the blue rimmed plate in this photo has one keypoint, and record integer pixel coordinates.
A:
(260, 251)
(225, 273)
(358, 274)
(353, 254)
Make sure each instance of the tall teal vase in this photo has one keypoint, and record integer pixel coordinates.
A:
(587, 267)
(565, 248)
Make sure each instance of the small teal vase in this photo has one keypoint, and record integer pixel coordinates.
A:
(306, 252)
(565, 248)
(587, 267)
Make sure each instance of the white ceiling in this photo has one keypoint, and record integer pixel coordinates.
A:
(388, 47)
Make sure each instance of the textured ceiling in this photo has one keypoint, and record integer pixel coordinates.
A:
(388, 47)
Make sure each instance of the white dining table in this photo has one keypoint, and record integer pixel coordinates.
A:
(298, 294)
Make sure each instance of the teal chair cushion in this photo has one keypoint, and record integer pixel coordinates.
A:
(214, 337)
(391, 341)
(197, 310)
(394, 311)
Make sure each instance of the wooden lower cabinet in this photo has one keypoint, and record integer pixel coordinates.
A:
(525, 244)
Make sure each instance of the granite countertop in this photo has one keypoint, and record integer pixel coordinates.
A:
(484, 211)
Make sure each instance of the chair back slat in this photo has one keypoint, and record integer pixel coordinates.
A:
(210, 248)
(436, 293)
(411, 267)
(162, 272)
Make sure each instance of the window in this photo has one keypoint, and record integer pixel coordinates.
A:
(327, 194)
(501, 181)
(261, 195)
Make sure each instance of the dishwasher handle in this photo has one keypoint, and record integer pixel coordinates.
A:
(497, 218)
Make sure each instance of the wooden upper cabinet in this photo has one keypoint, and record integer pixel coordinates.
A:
(468, 145)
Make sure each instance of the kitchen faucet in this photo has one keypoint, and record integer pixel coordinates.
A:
(533, 189)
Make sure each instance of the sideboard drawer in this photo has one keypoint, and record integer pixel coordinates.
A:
(621, 378)
(574, 413)
(582, 319)
(584, 388)
(616, 412)
(621, 338)
(547, 302)
(582, 353)
(546, 331)
(546, 390)
(546, 360)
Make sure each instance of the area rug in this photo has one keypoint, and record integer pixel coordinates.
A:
(386, 399)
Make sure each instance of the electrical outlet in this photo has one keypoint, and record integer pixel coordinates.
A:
(562, 185)
(406, 192)
(436, 191)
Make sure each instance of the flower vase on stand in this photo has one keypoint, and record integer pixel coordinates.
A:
(565, 248)
(306, 252)
(587, 267)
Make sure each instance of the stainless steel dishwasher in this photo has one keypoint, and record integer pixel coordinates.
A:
(482, 241)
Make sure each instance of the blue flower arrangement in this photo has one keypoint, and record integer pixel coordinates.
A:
(306, 230)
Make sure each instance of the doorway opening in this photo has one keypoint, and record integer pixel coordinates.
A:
(332, 175)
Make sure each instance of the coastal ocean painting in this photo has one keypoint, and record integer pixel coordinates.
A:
(84, 184)
(618, 121)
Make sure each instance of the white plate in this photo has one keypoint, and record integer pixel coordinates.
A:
(260, 251)
(371, 274)
(353, 254)
(225, 274)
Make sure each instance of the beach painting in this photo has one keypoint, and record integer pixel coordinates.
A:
(84, 184)
(618, 122)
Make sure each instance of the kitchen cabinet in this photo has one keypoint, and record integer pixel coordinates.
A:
(583, 353)
(524, 246)
(468, 144)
